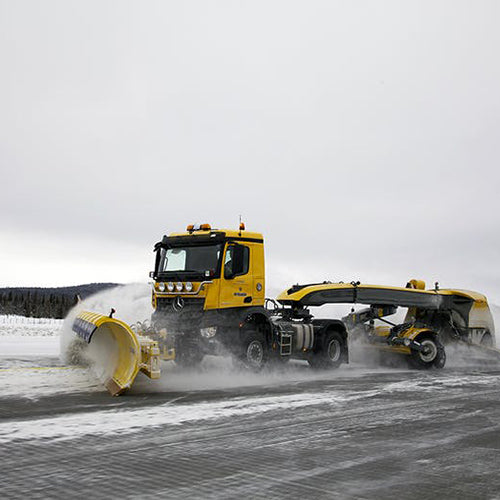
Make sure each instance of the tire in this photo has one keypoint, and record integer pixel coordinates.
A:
(187, 354)
(253, 354)
(330, 354)
(434, 355)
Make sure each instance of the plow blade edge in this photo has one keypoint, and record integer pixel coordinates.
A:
(115, 351)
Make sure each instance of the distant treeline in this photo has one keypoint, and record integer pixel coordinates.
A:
(46, 302)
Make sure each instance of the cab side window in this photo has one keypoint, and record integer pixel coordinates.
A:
(236, 262)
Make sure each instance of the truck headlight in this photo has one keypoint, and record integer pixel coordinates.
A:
(209, 332)
(178, 286)
(170, 286)
(189, 286)
(161, 287)
(406, 341)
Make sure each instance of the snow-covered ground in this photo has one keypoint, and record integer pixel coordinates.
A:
(28, 345)
(29, 360)
(21, 336)
(47, 326)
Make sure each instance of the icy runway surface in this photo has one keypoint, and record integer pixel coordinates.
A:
(355, 433)
(360, 432)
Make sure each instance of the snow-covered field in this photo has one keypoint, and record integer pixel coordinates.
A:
(29, 345)
(20, 336)
(12, 326)
(29, 360)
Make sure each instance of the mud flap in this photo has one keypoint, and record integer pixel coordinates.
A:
(115, 351)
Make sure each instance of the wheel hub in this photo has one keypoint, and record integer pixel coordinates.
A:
(429, 351)
(334, 350)
(255, 353)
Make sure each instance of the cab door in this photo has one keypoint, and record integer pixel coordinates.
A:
(236, 277)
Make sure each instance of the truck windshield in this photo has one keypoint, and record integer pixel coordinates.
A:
(196, 259)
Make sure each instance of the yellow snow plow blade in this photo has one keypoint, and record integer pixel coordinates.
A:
(117, 353)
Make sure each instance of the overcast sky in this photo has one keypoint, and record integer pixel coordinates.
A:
(361, 137)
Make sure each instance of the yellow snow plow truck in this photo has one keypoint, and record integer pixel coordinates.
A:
(208, 297)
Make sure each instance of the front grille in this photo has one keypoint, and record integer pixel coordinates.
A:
(174, 305)
(177, 319)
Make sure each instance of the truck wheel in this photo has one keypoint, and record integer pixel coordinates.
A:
(432, 356)
(254, 351)
(329, 356)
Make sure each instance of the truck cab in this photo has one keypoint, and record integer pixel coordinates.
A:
(208, 269)
(206, 281)
(209, 298)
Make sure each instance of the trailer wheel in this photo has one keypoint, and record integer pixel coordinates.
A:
(432, 356)
(254, 351)
(329, 356)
